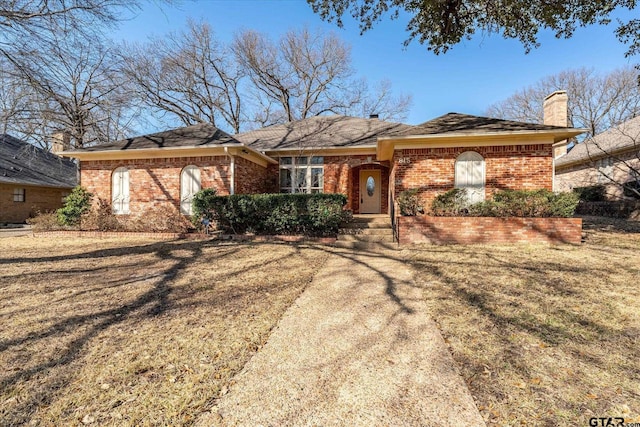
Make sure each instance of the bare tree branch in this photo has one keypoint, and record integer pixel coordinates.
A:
(596, 102)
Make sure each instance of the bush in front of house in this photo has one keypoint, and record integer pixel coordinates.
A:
(592, 193)
(508, 203)
(309, 214)
(47, 221)
(452, 203)
(409, 203)
(76, 204)
(158, 219)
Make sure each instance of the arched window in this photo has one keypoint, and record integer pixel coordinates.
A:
(470, 174)
(120, 191)
(189, 186)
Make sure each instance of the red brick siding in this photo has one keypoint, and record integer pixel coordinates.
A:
(468, 230)
(251, 178)
(37, 199)
(154, 182)
(515, 167)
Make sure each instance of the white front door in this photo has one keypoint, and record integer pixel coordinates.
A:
(370, 192)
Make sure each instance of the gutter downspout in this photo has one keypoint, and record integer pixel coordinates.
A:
(232, 170)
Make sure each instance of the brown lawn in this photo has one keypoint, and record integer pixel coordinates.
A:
(129, 332)
(543, 335)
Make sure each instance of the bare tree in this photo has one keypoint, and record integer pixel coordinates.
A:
(37, 20)
(596, 102)
(74, 87)
(188, 75)
(307, 74)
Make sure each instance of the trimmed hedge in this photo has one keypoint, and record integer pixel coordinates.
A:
(508, 203)
(309, 214)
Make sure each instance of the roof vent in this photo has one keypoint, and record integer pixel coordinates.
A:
(374, 116)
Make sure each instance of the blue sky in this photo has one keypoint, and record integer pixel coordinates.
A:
(467, 79)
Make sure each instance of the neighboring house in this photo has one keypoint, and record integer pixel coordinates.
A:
(369, 160)
(31, 180)
(610, 159)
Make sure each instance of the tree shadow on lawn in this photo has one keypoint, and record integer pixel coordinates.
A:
(523, 300)
(52, 374)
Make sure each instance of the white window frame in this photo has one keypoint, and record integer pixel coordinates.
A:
(19, 195)
(120, 196)
(190, 184)
(468, 164)
(301, 166)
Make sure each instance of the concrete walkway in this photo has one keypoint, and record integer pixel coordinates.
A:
(357, 348)
(15, 230)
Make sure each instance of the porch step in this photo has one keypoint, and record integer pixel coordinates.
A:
(387, 237)
(366, 232)
(366, 245)
(369, 221)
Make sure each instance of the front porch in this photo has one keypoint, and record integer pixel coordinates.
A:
(370, 189)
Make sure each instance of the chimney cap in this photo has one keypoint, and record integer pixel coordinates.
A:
(557, 92)
(374, 116)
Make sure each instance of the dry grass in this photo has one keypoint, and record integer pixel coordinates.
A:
(543, 335)
(120, 332)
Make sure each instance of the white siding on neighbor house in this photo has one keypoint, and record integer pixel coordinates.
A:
(189, 186)
(120, 191)
(470, 174)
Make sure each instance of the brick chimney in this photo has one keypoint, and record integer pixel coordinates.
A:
(556, 114)
(60, 141)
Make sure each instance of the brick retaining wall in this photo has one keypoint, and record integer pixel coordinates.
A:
(468, 230)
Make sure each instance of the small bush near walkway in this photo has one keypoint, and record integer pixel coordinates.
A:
(308, 214)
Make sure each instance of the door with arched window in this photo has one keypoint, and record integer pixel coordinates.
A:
(470, 175)
(120, 191)
(189, 186)
(370, 192)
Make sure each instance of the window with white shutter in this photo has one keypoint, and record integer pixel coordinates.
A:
(189, 186)
(120, 191)
(470, 174)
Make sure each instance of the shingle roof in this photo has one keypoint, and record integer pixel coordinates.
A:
(625, 135)
(203, 134)
(321, 132)
(23, 163)
(465, 123)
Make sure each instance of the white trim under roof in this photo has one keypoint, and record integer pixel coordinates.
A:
(387, 144)
(327, 151)
(162, 152)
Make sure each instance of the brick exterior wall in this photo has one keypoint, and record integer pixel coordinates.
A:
(469, 230)
(585, 175)
(514, 167)
(37, 199)
(342, 175)
(156, 182)
(251, 178)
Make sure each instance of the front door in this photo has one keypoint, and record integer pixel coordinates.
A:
(369, 191)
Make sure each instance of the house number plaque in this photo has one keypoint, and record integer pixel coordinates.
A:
(404, 160)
